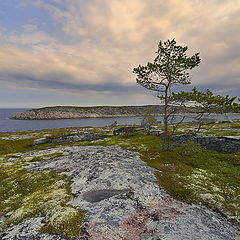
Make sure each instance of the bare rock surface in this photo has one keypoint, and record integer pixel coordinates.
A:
(123, 200)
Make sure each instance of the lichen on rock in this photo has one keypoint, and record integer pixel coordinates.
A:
(45, 194)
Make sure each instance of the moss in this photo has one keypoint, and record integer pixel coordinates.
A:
(24, 195)
(66, 221)
(47, 156)
(15, 146)
(192, 173)
(174, 186)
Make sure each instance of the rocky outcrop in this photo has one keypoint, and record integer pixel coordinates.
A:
(76, 138)
(220, 144)
(71, 138)
(65, 112)
(226, 144)
(40, 141)
(126, 130)
(123, 200)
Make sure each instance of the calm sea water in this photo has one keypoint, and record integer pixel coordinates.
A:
(7, 124)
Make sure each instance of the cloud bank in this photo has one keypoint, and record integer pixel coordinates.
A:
(92, 46)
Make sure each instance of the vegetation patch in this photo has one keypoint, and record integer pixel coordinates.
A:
(66, 220)
(47, 156)
(25, 195)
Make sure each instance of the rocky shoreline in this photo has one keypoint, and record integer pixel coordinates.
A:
(71, 112)
(123, 200)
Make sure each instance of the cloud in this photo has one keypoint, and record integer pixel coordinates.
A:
(60, 82)
(31, 38)
(102, 40)
(30, 27)
(64, 66)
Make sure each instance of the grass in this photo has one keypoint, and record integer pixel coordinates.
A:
(190, 173)
(195, 174)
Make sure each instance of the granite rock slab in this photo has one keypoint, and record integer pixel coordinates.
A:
(123, 200)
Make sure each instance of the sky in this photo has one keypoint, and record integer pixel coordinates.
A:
(82, 53)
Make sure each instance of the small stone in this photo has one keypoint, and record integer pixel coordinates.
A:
(155, 132)
(40, 141)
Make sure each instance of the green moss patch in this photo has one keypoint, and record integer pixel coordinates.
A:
(25, 195)
(47, 156)
(66, 220)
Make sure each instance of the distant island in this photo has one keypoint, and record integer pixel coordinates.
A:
(71, 112)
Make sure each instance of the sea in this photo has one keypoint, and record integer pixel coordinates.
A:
(12, 125)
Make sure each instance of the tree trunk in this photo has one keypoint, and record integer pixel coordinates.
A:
(165, 121)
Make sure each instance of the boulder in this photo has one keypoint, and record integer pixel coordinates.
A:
(236, 138)
(124, 130)
(155, 132)
(182, 138)
(207, 121)
(122, 198)
(40, 141)
(220, 144)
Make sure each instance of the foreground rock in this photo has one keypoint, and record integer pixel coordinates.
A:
(123, 200)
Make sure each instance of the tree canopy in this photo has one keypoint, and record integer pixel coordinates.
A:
(170, 66)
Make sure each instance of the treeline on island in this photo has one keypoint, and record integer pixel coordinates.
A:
(70, 112)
